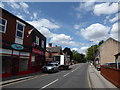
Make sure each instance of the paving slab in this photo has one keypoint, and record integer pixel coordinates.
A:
(98, 81)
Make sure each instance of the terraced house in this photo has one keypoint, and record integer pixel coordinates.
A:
(22, 46)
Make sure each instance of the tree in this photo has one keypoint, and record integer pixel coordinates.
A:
(101, 42)
(78, 57)
(69, 52)
(90, 55)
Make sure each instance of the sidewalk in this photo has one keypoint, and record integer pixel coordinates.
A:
(98, 81)
(18, 78)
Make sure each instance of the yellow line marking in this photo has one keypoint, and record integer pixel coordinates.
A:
(23, 80)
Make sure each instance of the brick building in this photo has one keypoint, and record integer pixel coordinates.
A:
(52, 51)
(22, 46)
(107, 51)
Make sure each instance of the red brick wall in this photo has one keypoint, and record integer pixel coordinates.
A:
(113, 75)
(9, 35)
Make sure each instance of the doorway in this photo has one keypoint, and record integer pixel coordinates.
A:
(15, 65)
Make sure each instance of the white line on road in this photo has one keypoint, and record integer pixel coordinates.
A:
(66, 74)
(72, 70)
(50, 83)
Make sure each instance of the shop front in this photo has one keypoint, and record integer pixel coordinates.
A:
(37, 59)
(15, 60)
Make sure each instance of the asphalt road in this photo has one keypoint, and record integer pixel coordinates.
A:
(76, 77)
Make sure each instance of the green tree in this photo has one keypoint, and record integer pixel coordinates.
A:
(101, 42)
(78, 57)
(69, 52)
(90, 54)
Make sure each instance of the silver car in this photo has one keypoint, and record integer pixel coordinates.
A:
(51, 67)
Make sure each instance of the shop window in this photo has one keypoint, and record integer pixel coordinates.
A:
(37, 40)
(23, 64)
(33, 61)
(3, 24)
(6, 64)
(42, 45)
(20, 30)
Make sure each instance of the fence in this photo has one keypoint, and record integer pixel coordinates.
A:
(112, 74)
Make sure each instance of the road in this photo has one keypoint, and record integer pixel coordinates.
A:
(76, 77)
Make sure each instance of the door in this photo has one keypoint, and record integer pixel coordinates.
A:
(37, 63)
(15, 66)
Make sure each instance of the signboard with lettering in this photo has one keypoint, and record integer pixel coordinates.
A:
(17, 46)
(37, 51)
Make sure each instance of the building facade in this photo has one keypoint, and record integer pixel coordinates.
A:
(52, 51)
(22, 46)
(107, 51)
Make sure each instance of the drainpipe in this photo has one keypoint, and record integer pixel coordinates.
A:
(116, 60)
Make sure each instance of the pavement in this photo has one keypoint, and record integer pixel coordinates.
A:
(95, 79)
(98, 81)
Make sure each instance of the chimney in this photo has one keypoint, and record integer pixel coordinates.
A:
(50, 45)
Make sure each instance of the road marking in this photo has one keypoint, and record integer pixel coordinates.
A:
(22, 80)
(72, 70)
(66, 74)
(50, 83)
(14, 80)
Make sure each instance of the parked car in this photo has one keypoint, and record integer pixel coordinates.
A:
(51, 67)
(98, 67)
(111, 64)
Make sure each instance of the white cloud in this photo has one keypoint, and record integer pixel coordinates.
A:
(22, 6)
(1, 5)
(61, 37)
(115, 31)
(84, 49)
(46, 32)
(106, 19)
(35, 16)
(105, 8)
(76, 26)
(14, 5)
(44, 23)
(25, 7)
(43, 26)
(116, 18)
(76, 49)
(95, 32)
(81, 50)
(20, 16)
(48, 24)
(86, 6)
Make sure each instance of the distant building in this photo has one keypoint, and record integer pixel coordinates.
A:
(106, 51)
(52, 51)
(22, 47)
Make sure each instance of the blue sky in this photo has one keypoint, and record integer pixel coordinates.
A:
(70, 24)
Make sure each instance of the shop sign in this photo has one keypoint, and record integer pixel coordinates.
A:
(17, 46)
(37, 51)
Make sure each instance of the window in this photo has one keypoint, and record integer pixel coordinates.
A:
(20, 30)
(37, 40)
(3, 24)
(42, 45)
(5, 64)
(23, 65)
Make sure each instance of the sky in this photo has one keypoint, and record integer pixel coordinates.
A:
(76, 25)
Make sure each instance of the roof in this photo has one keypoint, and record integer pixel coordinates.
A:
(111, 39)
(118, 54)
(54, 49)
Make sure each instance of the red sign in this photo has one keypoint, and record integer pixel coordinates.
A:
(37, 51)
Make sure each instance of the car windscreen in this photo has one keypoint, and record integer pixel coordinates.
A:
(49, 65)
